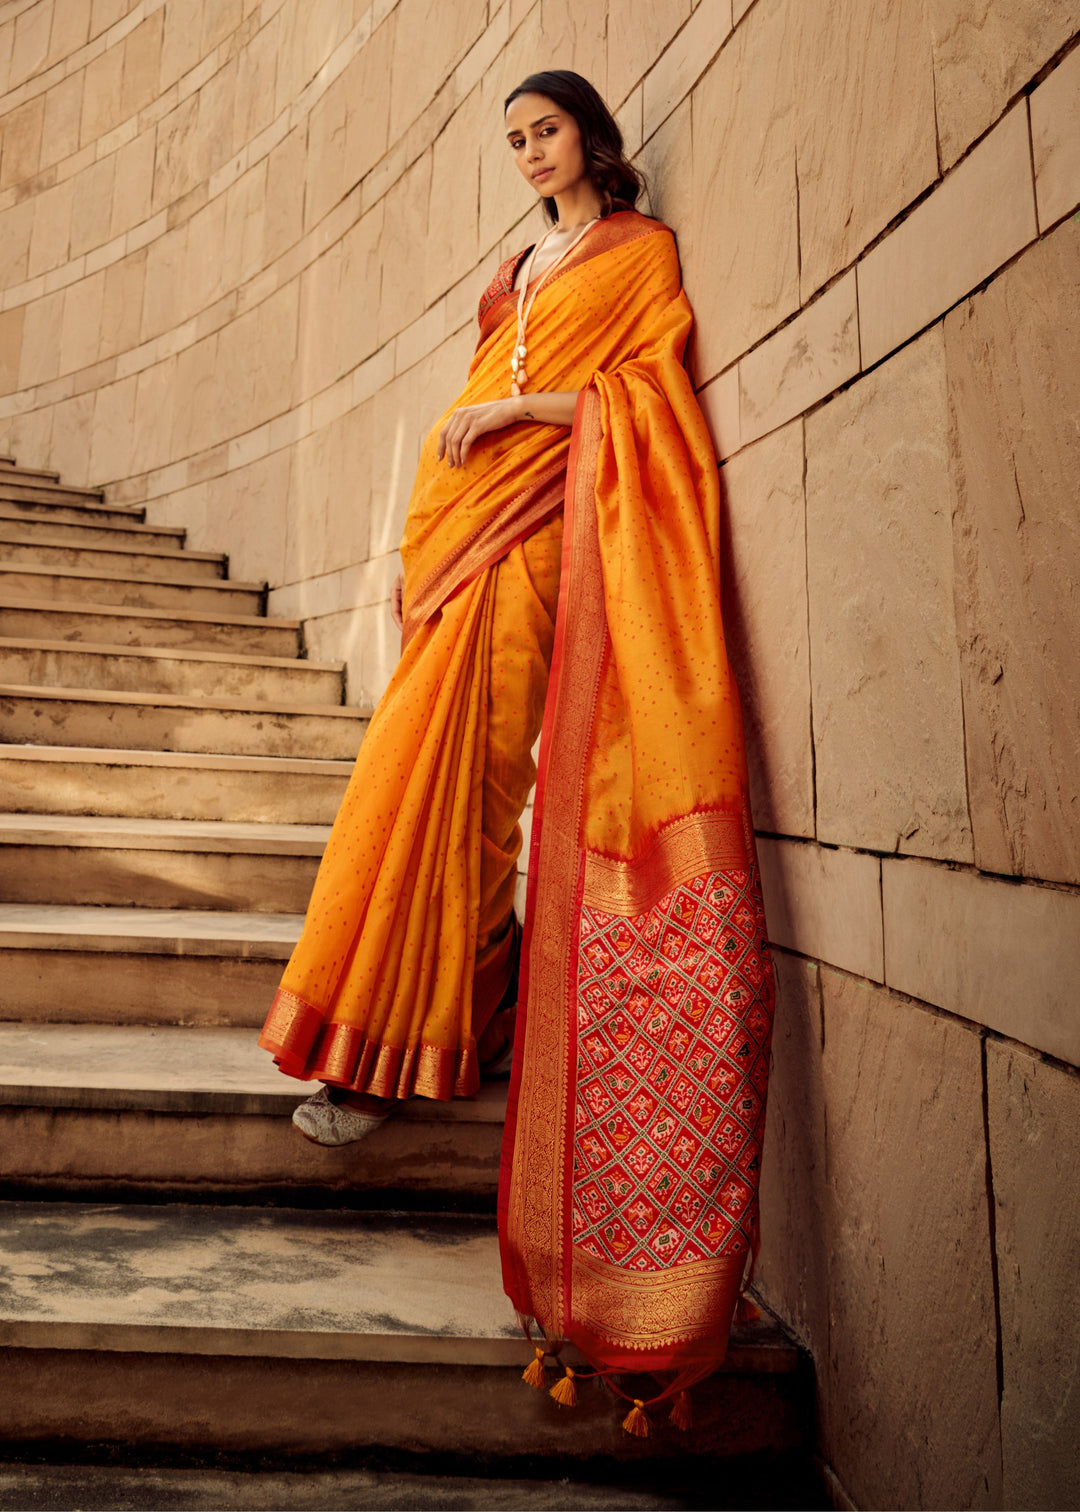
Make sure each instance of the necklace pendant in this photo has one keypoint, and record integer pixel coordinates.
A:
(515, 390)
(523, 350)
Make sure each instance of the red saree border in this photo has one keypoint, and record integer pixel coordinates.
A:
(488, 544)
(306, 1047)
(533, 1207)
(661, 1311)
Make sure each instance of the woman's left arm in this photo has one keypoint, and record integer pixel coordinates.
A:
(466, 425)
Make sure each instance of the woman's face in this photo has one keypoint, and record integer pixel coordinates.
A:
(546, 143)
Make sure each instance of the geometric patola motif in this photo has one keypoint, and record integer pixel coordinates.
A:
(674, 1024)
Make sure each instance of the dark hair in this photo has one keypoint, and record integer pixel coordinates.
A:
(617, 180)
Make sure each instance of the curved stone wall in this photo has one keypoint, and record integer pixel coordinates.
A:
(241, 246)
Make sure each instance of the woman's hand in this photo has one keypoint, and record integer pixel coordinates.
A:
(466, 425)
(396, 593)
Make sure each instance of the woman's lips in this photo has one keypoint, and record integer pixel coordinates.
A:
(542, 173)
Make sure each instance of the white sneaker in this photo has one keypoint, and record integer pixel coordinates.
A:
(329, 1123)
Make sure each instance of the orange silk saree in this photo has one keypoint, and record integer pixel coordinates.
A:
(627, 1201)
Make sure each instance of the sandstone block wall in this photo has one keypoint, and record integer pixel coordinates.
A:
(241, 245)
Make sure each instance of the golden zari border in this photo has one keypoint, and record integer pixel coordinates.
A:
(659, 1309)
(306, 1047)
(539, 1195)
(713, 840)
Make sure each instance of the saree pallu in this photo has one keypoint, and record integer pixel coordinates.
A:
(628, 1193)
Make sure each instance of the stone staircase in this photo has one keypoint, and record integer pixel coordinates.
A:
(185, 1275)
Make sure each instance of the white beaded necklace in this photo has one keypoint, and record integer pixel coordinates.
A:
(525, 303)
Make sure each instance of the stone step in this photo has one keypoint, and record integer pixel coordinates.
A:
(174, 722)
(119, 515)
(72, 965)
(35, 527)
(152, 669)
(111, 624)
(170, 785)
(297, 1332)
(100, 1109)
(159, 562)
(159, 863)
(41, 490)
(26, 474)
(100, 587)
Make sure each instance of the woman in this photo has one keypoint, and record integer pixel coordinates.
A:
(565, 516)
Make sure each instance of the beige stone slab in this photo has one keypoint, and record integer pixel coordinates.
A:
(683, 61)
(888, 723)
(166, 1069)
(910, 1271)
(719, 402)
(864, 104)
(170, 785)
(801, 363)
(76, 623)
(1033, 1110)
(639, 31)
(1013, 363)
(984, 54)
(792, 1268)
(765, 620)
(978, 217)
(1002, 954)
(100, 587)
(221, 1281)
(91, 557)
(1055, 140)
(824, 903)
(252, 878)
(177, 722)
(154, 931)
(214, 1155)
(31, 526)
(154, 670)
(41, 984)
(743, 275)
(163, 834)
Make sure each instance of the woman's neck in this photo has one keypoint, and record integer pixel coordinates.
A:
(578, 205)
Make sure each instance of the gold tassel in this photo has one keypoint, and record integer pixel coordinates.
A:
(534, 1374)
(682, 1412)
(747, 1311)
(564, 1391)
(636, 1421)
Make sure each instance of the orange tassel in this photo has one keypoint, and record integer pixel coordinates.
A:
(564, 1391)
(682, 1413)
(747, 1311)
(636, 1421)
(534, 1374)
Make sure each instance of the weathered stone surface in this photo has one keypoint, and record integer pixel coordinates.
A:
(974, 221)
(673, 75)
(1013, 362)
(802, 363)
(864, 93)
(984, 53)
(764, 585)
(1002, 955)
(744, 269)
(792, 1269)
(1034, 1120)
(888, 725)
(824, 903)
(1055, 140)
(418, 23)
(638, 31)
(719, 402)
(910, 1273)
